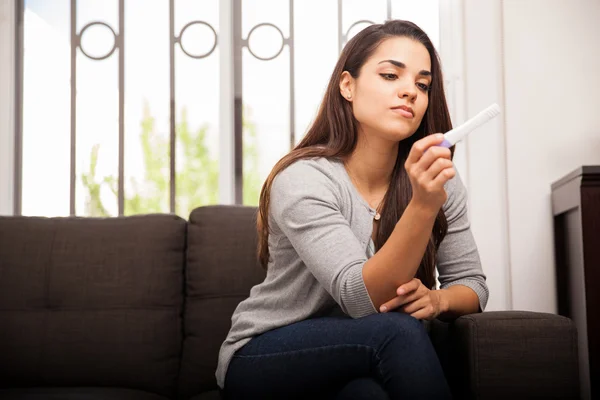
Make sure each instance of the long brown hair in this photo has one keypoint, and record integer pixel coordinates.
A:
(334, 134)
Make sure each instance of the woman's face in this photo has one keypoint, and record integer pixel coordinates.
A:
(390, 96)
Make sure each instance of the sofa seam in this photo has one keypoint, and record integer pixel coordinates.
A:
(177, 392)
(474, 340)
(47, 308)
(575, 353)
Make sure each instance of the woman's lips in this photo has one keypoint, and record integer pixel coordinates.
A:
(402, 112)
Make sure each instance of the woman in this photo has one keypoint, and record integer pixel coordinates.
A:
(352, 224)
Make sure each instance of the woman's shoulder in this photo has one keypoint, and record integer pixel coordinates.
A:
(317, 169)
(313, 177)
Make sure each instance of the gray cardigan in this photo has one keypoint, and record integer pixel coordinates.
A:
(320, 237)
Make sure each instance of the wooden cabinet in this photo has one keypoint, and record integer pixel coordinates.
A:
(576, 211)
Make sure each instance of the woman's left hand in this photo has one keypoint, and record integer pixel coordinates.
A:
(417, 300)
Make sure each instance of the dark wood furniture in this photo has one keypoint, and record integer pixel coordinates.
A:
(576, 211)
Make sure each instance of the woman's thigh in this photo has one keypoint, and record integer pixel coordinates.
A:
(316, 355)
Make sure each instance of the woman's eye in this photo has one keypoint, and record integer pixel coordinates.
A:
(389, 77)
(423, 87)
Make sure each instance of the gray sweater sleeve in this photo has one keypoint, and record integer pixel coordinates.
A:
(305, 206)
(458, 258)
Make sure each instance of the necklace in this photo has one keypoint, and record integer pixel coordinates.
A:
(377, 215)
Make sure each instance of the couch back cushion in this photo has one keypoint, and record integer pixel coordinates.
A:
(221, 269)
(91, 302)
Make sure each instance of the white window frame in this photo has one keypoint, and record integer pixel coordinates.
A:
(9, 66)
(8, 15)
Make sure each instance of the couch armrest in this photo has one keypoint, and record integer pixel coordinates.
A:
(513, 354)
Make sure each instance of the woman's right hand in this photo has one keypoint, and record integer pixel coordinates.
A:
(429, 167)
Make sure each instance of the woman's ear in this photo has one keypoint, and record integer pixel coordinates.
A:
(346, 85)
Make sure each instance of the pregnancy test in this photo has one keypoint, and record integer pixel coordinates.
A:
(455, 135)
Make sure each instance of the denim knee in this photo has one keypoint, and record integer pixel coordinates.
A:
(399, 325)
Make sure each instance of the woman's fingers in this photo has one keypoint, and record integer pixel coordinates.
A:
(438, 166)
(408, 292)
(425, 167)
(431, 156)
(444, 176)
(416, 305)
(409, 286)
(424, 313)
(399, 301)
(420, 147)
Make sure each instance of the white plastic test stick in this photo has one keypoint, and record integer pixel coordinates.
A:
(455, 135)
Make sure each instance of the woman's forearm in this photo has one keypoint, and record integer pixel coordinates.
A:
(458, 300)
(398, 260)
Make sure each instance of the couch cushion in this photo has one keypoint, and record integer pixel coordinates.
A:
(221, 269)
(77, 393)
(91, 302)
(514, 354)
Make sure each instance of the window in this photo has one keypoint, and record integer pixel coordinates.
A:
(122, 99)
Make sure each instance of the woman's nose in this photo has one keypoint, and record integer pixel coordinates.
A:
(408, 91)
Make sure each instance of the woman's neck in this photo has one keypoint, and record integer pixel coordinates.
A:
(372, 163)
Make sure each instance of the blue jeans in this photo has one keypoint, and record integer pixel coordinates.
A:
(381, 356)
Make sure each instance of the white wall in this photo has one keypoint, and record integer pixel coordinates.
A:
(486, 156)
(539, 59)
(552, 90)
(472, 60)
(7, 63)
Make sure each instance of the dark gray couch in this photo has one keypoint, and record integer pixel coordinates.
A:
(137, 307)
